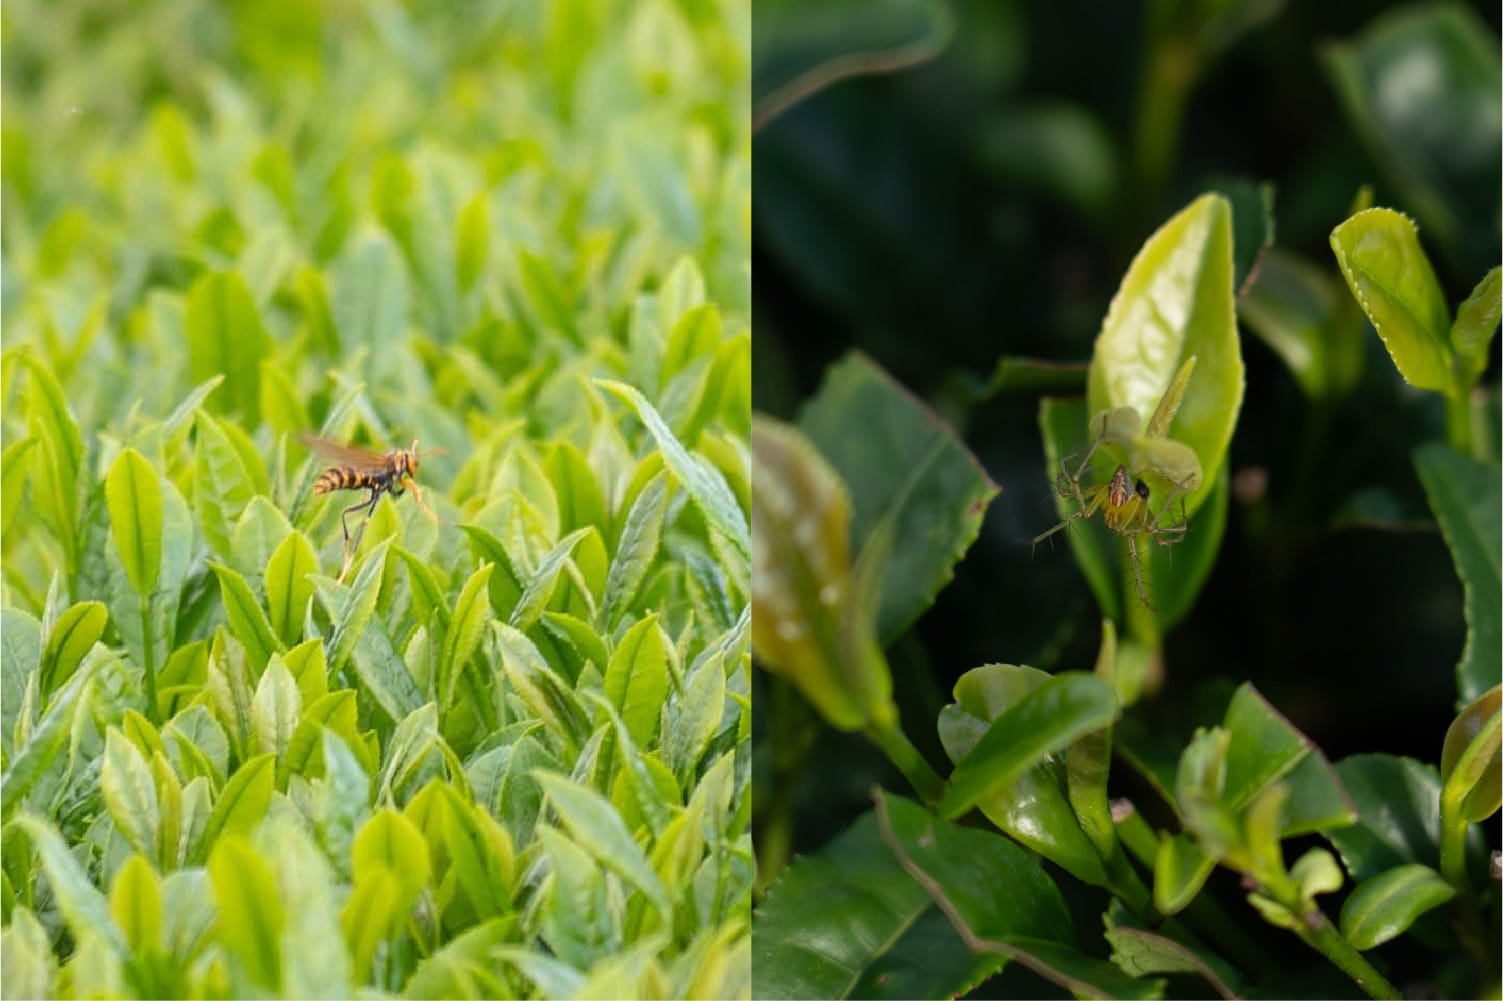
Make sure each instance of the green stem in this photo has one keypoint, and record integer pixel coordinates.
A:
(1453, 827)
(893, 742)
(1205, 911)
(1464, 917)
(1317, 930)
(774, 840)
(1126, 885)
(148, 644)
(792, 736)
(1459, 422)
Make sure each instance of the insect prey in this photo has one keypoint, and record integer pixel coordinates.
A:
(357, 468)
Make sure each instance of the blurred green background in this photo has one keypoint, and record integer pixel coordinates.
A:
(987, 201)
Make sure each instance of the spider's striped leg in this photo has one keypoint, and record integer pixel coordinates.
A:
(1169, 535)
(1068, 484)
(1137, 573)
(1088, 508)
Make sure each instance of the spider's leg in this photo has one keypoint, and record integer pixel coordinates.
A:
(1137, 573)
(1060, 527)
(1068, 485)
(1088, 509)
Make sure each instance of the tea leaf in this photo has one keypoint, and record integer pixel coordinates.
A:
(954, 865)
(134, 496)
(251, 917)
(904, 468)
(1383, 907)
(1390, 276)
(1177, 302)
(73, 635)
(246, 618)
(225, 337)
(636, 679)
(703, 482)
(1042, 722)
(1468, 503)
(288, 588)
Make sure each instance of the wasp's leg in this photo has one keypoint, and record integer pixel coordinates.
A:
(369, 506)
(417, 498)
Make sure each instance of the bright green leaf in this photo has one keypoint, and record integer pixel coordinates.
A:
(1384, 907)
(134, 495)
(1387, 270)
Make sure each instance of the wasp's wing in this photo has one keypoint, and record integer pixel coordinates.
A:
(345, 455)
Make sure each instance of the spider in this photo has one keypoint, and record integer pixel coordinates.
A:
(1123, 500)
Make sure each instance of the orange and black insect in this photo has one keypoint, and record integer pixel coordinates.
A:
(358, 468)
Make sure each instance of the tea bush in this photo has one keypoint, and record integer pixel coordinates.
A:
(1260, 759)
(507, 752)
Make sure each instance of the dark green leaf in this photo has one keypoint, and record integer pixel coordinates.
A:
(1035, 809)
(1252, 228)
(1304, 315)
(848, 922)
(1439, 141)
(1398, 803)
(1140, 952)
(904, 469)
(959, 868)
(1467, 498)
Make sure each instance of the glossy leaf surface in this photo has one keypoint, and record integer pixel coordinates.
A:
(904, 468)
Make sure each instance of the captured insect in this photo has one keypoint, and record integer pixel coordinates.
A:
(357, 468)
(1124, 499)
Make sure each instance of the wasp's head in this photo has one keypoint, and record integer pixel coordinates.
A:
(412, 458)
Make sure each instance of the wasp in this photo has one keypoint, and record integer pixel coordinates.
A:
(358, 468)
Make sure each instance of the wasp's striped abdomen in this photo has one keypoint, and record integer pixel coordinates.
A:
(342, 478)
